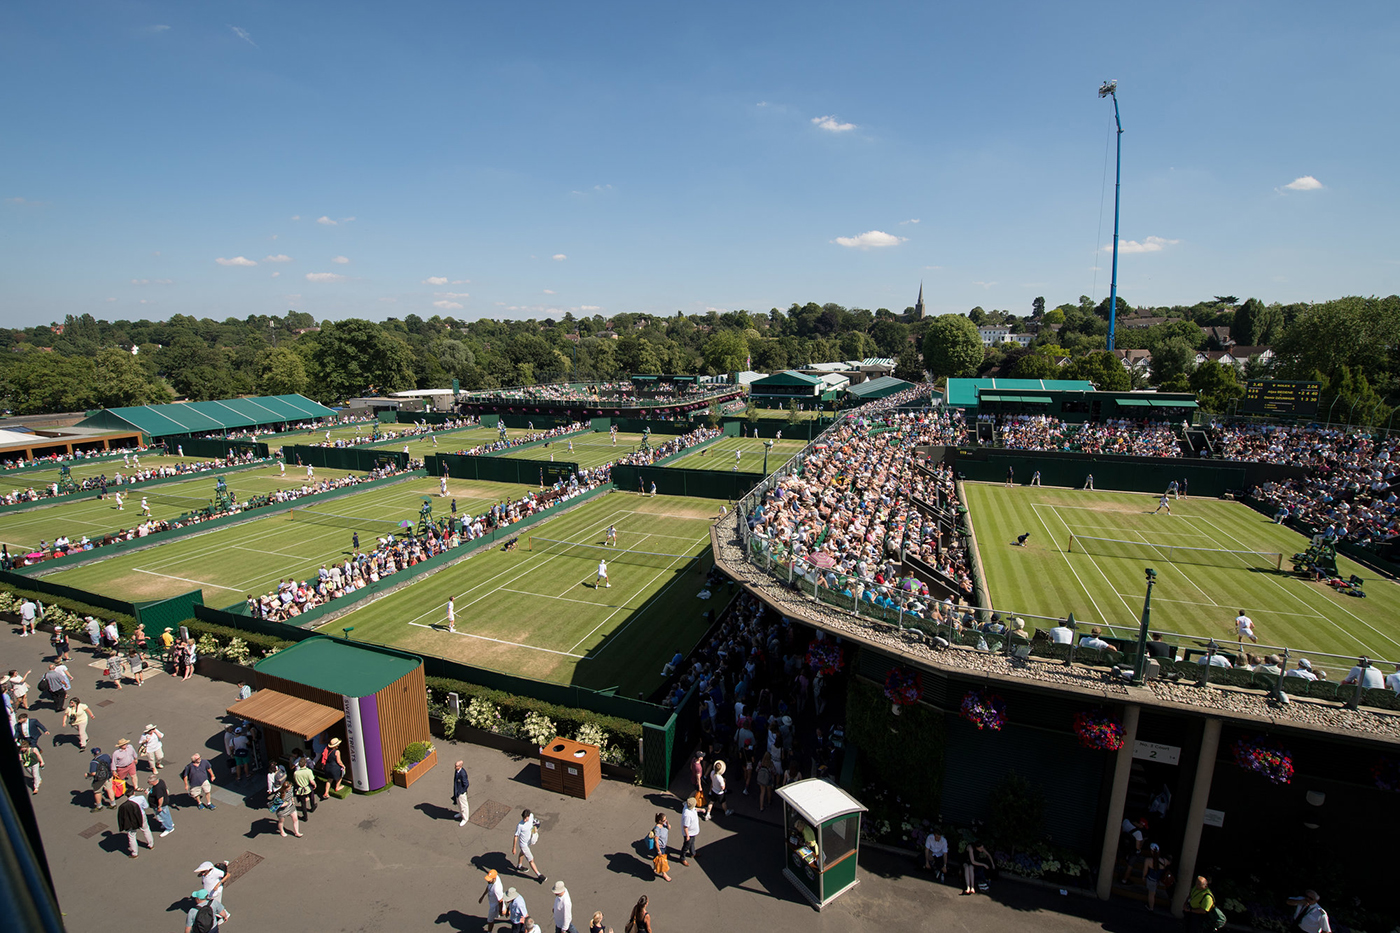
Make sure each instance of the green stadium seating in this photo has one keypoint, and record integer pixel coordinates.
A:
(1298, 686)
(1322, 690)
(1379, 698)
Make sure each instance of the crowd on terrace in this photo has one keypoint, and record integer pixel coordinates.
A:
(407, 430)
(135, 474)
(645, 456)
(59, 458)
(506, 443)
(392, 553)
(1114, 436)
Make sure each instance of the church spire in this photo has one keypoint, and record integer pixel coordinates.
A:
(919, 305)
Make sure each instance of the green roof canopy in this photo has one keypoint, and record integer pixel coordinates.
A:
(196, 417)
(1133, 402)
(963, 393)
(1173, 403)
(351, 670)
(879, 388)
(788, 377)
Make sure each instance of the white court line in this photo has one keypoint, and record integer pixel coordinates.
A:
(1111, 587)
(612, 636)
(1256, 609)
(1185, 576)
(186, 580)
(1328, 601)
(499, 641)
(567, 599)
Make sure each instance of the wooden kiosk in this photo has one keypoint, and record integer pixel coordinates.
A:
(822, 839)
(569, 767)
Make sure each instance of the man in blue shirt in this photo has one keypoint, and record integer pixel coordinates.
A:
(100, 771)
(460, 783)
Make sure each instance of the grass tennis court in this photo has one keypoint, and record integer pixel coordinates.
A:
(1197, 595)
(590, 450)
(95, 517)
(84, 469)
(720, 455)
(537, 613)
(249, 558)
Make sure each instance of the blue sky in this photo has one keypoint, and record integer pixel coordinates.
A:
(505, 159)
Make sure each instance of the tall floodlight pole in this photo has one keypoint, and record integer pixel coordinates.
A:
(1110, 89)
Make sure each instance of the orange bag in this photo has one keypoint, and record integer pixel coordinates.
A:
(699, 799)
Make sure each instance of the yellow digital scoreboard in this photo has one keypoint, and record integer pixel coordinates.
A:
(1268, 397)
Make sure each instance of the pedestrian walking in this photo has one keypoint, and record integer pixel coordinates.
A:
(28, 616)
(211, 876)
(690, 828)
(131, 819)
(158, 796)
(452, 613)
(527, 833)
(18, 686)
(495, 896)
(57, 682)
(516, 911)
(718, 788)
(1200, 907)
(32, 761)
(334, 768)
(1308, 915)
(99, 771)
(596, 924)
(198, 776)
(60, 643)
(77, 716)
(124, 763)
(304, 780)
(563, 909)
(206, 914)
(151, 747)
(460, 783)
(284, 805)
(640, 921)
(658, 837)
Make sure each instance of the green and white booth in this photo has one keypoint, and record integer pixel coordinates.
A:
(822, 840)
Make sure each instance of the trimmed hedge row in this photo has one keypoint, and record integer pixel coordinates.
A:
(126, 624)
(224, 634)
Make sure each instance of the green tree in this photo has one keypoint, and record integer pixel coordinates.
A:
(354, 356)
(1102, 369)
(1356, 333)
(725, 352)
(952, 346)
(1035, 366)
(714, 414)
(792, 412)
(281, 372)
(1174, 357)
(1054, 316)
(890, 336)
(1038, 307)
(120, 380)
(908, 367)
(1216, 385)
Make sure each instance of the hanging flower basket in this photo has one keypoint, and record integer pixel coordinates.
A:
(1098, 730)
(1386, 772)
(903, 686)
(825, 658)
(984, 710)
(1265, 758)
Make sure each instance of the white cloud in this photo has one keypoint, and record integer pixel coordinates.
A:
(1153, 244)
(1305, 183)
(276, 274)
(559, 257)
(296, 217)
(324, 277)
(912, 220)
(871, 239)
(325, 221)
(447, 305)
(145, 301)
(550, 291)
(451, 295)
(590, 308)
(280, 257)
(243, 34)
(340, 260)
(435, 280)
(235, 261)
(830, 124)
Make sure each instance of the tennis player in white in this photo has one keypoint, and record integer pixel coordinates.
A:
(602, 575)
(612, 536)
(442, 485)
(452, 613)
(1163, 505)
(282, 467)
(1244, 628)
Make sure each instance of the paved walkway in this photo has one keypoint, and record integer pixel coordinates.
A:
(398, 860)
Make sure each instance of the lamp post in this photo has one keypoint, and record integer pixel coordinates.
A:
(1110, 89)
(1140, 665)
(767, 446)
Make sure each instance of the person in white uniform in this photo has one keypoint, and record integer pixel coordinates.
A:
(602, 575)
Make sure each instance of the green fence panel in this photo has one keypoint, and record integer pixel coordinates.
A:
(19, 581)
(704, 484)
(1132, 474)
(490, 421)
(500, 469)
(157, 614)
(804, 430)
(246, 623)
(425, 417)
(730, 429)
(657, 425)
(657, 747)
(387, 416)
(541, 422)
(356, 459)
(601, 424)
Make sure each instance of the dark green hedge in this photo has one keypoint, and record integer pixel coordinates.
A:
(905, 751)
(125, 623)
(223, 633)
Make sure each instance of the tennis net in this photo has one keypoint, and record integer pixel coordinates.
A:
(619, 555)
(378, 526)
(1174, 553)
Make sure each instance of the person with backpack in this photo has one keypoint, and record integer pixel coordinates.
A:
(206, 915)
(100, 771)
(656, 844)
(283, 804)
(60, 643)
(333, 767)
(32, 761)
(131, 819)
(1201, 912)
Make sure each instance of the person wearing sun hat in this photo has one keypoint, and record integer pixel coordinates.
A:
(213, 911)
(517, 911)
(496, 900)
(563, 909)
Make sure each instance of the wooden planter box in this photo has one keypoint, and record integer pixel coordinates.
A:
(520, 747)
(405, 779)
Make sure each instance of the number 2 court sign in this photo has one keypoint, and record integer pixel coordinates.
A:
(1268, 397)
(1150, 751)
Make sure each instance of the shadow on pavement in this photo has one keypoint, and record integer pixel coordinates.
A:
(433, 811)
(730, 863)
(625, 863)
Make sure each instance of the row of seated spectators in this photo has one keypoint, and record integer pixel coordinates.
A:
(1114, 436)
(649, 455)
(566, 392)
(505, 443)
(120, 480)
(310, 427)
(393, 553)
(374, 434)
(63, 545)
(76, 457)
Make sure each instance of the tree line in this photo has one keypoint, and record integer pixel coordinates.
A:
(1351, 345)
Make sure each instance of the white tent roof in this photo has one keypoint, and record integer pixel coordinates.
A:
(819, 801)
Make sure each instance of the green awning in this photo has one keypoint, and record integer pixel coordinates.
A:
(1036, 399)
(995, 397)
(1173, 403)
(1134, 402)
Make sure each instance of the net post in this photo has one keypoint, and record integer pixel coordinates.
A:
(1069, 548)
